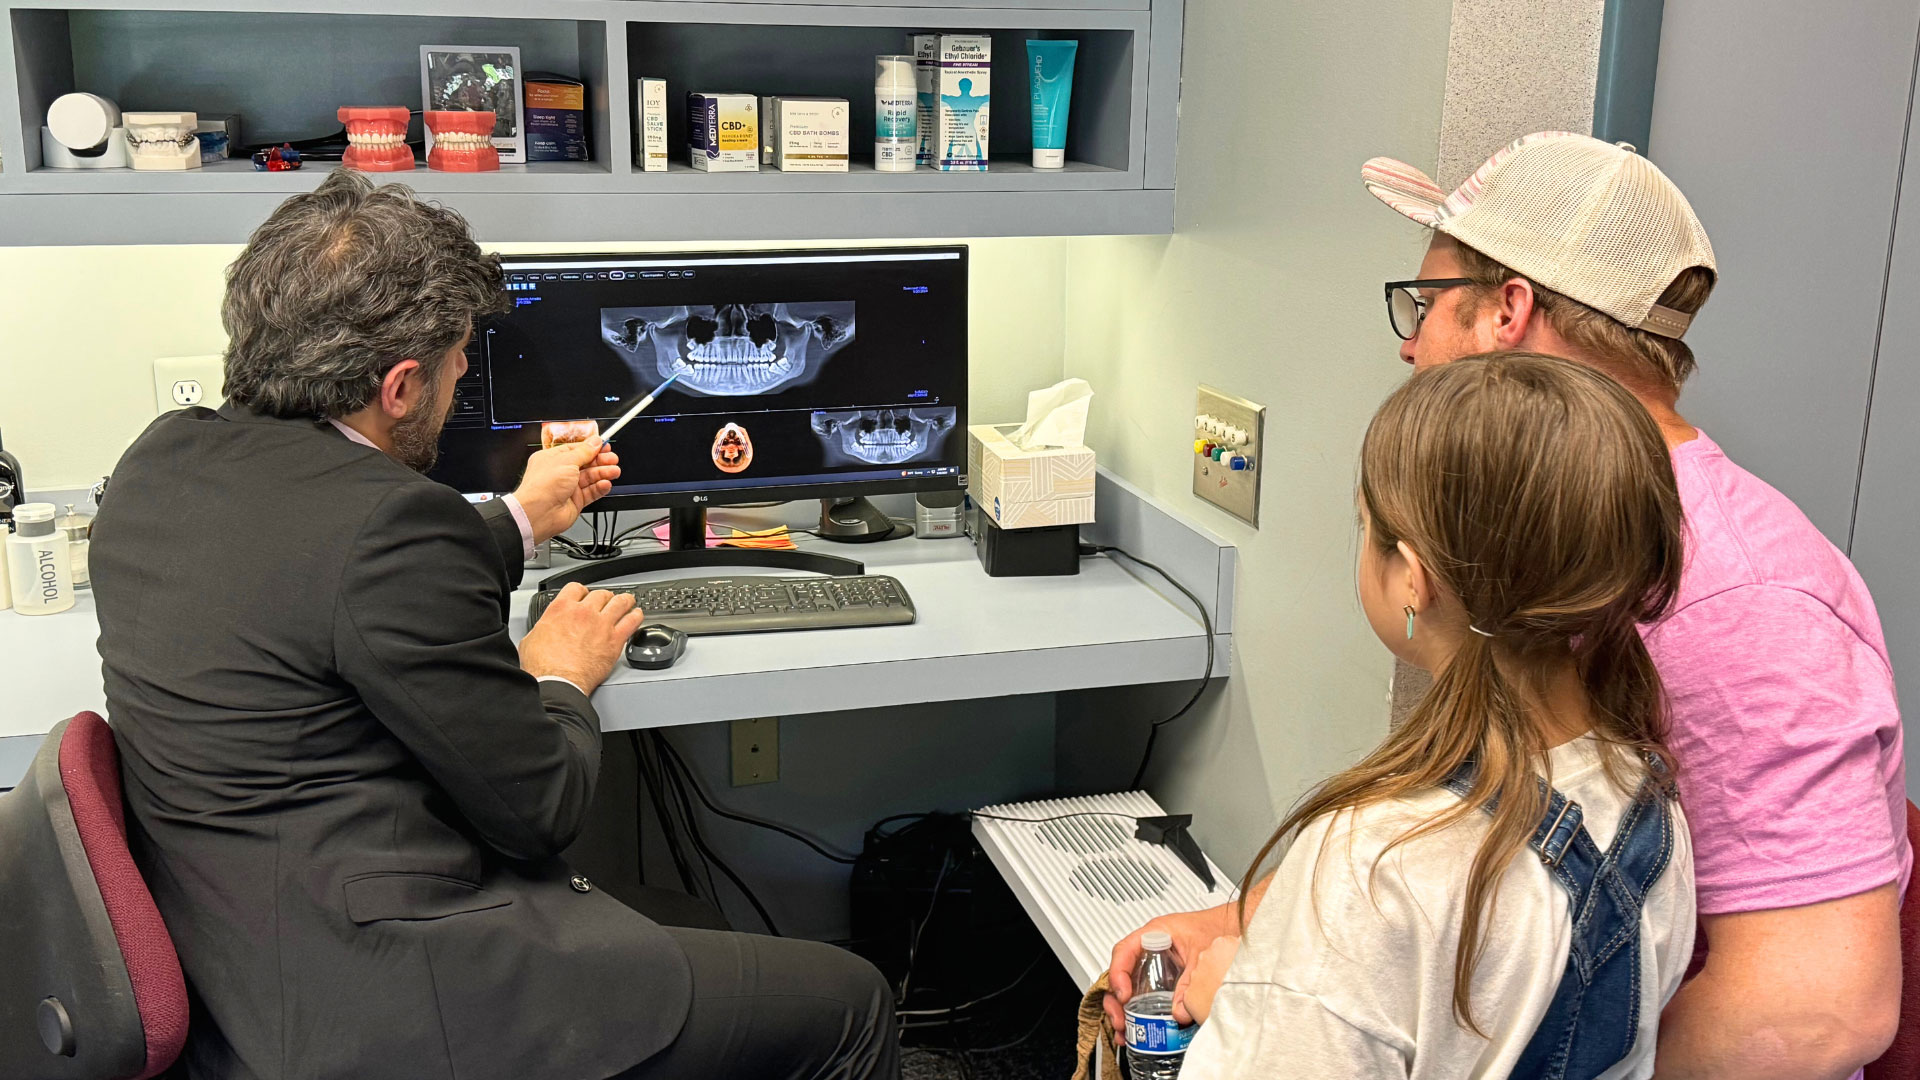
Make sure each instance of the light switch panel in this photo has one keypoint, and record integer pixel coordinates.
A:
(1229, 452)
(181, 382)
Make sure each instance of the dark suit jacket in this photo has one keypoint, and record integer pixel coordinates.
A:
(346, 796)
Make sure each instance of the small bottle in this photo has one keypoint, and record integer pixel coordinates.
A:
(896, 134)
(1156, 1045)
(37, 562)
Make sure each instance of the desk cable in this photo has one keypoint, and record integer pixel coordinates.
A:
(1206, 677)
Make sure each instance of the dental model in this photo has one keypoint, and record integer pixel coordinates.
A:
(376, 138)
(162, 141)
(462, 141)
(726, 350)
(555, 432)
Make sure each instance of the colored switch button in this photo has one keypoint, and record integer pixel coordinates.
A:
(1199, 446)
(1219, 453)
(1240, 463)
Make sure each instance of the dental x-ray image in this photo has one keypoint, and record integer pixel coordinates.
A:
(727, 350)
(883, 436)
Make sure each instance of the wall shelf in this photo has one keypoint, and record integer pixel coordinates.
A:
(284, 65)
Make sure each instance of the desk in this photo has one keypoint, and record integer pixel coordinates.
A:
(1113, 624)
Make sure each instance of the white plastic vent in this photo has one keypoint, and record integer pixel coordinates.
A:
(1085, 881)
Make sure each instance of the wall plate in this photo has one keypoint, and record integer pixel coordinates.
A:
(180, 382)
(756, 750)
(1229, 451)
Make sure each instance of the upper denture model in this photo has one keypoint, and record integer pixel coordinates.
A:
(462, 142)
(376, 138)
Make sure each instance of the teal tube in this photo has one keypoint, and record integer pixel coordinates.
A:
(1050, 73)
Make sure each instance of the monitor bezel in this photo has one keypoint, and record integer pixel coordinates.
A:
(788, 492)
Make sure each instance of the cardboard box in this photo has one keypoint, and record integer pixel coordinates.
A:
(723, 132)
(1024, 489)
(962, 112)
(926, 77)
(650, 125)
(811, 134)
(556, 117)
(219, 135)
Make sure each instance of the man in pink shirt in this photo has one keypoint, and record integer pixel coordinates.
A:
(1784, 717)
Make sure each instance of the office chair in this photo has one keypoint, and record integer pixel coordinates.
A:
(1902, 1059)
(91, 988)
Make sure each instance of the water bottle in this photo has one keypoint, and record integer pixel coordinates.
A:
(1155, 1043)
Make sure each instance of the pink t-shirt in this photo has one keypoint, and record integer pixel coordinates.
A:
(1784, 718)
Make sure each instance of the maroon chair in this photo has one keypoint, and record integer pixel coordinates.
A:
(90, 987)
(1902, 1059)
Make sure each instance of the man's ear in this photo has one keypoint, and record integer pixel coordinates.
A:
(400, 389)
(1517, 314)
(1417, 581)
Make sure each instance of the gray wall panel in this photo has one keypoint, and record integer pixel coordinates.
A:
(1783, 123)
(1886, 527)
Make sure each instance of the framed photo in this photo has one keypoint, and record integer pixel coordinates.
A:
(478, 78)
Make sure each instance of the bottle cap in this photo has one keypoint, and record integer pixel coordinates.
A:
(1156, 941)
(33, 519)
(1049, 159)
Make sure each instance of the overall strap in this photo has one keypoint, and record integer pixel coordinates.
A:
(1553, 838)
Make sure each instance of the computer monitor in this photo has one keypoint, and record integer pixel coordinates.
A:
(802, 374)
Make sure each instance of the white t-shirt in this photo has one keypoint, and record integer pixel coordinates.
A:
(1360, 984)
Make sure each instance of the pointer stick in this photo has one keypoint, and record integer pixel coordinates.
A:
(607, 436)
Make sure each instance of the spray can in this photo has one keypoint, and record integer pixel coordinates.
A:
(896, 134)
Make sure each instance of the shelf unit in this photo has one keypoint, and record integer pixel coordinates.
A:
(285, 65)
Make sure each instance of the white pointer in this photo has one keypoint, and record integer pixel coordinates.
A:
(607, 435)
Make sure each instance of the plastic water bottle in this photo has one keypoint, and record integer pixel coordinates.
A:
(1156, 1045)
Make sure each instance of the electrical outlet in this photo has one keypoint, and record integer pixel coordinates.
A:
(756, 750)
(1229, 452)
(180, 382)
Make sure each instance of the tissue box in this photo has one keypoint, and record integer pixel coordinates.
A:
(1025, 489)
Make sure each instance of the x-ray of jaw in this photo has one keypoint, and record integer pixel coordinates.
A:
(726, 350)
(883, 436)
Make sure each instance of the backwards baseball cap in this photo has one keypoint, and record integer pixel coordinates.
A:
(1590, 220)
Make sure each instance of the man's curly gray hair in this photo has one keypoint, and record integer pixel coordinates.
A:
(340, 284)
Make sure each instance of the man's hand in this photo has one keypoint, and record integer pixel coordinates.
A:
(1193, 933)
(580, 636)
(1193, 997)
(561, 481)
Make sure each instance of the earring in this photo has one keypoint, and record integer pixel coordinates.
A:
(1409, 610)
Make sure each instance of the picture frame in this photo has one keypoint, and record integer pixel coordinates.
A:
(478, 78)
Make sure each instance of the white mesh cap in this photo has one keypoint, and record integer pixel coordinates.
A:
(1590, 220)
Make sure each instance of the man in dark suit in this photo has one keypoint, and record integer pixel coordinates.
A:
(346, 787)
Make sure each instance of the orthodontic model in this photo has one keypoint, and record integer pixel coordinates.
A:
(726, 350)
(462, 141)
(884, 436)
(376, 138)
(732, 449)
(162, 141)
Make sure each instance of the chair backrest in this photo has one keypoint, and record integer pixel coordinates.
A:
(1902, 1059)
(92, 989)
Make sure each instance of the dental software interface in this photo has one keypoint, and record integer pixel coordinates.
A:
(794, 370)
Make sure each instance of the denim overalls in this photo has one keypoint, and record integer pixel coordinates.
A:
(1595, 1014)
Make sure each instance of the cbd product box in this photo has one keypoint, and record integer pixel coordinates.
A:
(723, 132)
(1024, 489)
(556, 117)
(960, 120)
(650, 124)
(926, 77)
(811, 134)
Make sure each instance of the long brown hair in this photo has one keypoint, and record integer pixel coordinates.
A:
(1538, 493)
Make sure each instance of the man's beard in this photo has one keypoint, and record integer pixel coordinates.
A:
(416, 438)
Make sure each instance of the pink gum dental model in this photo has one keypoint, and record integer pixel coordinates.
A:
(462, 142)
(376, 138)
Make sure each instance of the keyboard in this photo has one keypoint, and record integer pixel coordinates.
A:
(751, 604)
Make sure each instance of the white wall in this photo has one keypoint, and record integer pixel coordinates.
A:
(81, 326)
(1270, 289)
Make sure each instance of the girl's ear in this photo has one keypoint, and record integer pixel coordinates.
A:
(1418, 585)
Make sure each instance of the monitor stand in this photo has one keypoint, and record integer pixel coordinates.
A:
(857, 521)
(687, 549)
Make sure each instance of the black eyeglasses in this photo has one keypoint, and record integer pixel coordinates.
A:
(1407, 309)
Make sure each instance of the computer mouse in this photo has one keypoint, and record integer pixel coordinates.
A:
(653, 648)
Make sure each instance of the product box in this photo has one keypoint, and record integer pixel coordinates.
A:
(1024, 489)
(723, 132)
(960, 120)
(556, 117)
(811, 134)
(650, 124)
(219, 135)
(926, 77)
